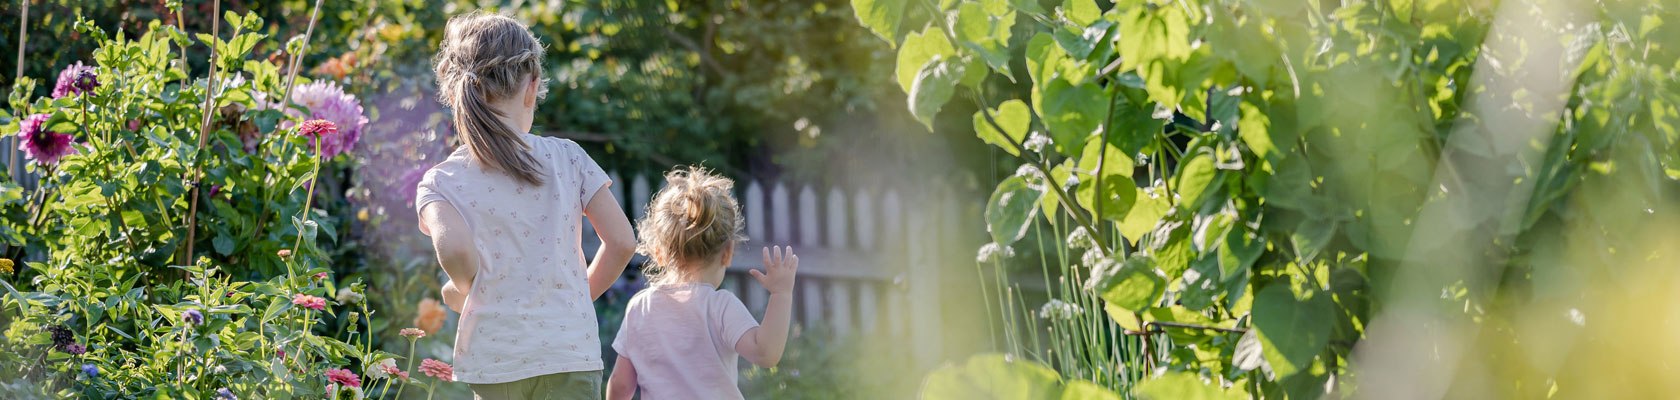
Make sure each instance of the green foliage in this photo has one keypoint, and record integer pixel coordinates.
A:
(187, 194)
(1242, 174)
(819, 364)
(993, 376)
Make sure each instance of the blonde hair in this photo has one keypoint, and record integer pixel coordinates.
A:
(482, 58)
(689, 224)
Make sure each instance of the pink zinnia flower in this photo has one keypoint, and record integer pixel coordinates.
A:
(42, 145)
(415, 333)
(320, 275)
(327, 101)
(437, 369)
(316, 129)
(312, 302)
(75, 79)
(392, 370)
(344, 377)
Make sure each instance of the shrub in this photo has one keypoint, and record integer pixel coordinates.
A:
(172, 246)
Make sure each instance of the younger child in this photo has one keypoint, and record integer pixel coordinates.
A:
(682, 336)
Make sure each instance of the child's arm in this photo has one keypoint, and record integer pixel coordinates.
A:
(763, 345)
(618, 242)
(455, 252)
(622, 384)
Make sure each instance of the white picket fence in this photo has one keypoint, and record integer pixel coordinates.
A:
(866, 258)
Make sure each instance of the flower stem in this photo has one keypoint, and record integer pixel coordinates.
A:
(308, 201)
(410, 366)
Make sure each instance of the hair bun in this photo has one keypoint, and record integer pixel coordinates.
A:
(693, 218)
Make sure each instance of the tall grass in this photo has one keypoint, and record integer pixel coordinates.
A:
(1061, 323)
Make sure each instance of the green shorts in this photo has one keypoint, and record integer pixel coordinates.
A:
(581, 385)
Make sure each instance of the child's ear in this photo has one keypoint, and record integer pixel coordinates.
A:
(530, 99)
(728, 254)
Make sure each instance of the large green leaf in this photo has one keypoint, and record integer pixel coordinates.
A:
(1146, 212)
(1131, 284)
(1181, 385)
(1193, 180)
(881, 17)
(1310, 237)
(1081, 12)
(1239, 250)
(1044, 59)
(1118, 192)
(1072, 113)
(1085, 390)
(1253, 127)
(984, 27)
(934, 86)
(1015, 119)
(1292, 330)
(1080, 44)
(1153, 33)
(992, 376)
(918, 49)
(1011, 210)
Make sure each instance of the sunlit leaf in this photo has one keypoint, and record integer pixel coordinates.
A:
(1085, 390)
(1011, 210)
(934, 86)
(1292, 330)
(1072, 113)
(1081, 12)
(1194, 179)
(986, 32)
(1015, 119)
(917, 50)
(881, 17)
(1183, 386)
(1131, 284)
(992, 376)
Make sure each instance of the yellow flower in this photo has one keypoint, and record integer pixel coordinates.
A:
(6, 265)
(430, 316)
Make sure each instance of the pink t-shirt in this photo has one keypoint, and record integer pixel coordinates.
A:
(681, 338)
(529, 312)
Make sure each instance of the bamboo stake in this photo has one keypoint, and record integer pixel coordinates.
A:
(204, 127)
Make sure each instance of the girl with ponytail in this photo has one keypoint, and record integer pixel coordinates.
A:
(505, 214)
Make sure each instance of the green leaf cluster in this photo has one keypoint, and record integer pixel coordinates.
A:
(1252, 170)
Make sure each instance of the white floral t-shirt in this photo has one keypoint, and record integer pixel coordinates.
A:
(529, 312)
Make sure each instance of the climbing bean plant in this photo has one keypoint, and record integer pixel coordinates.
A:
(1248, 174)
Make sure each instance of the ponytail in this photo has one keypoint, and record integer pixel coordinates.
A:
(484, 56)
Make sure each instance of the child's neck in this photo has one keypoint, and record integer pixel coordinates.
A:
(515, 116)
(711, 273)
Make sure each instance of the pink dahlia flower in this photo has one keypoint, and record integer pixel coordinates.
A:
(327, 101)
(75, 79)
(43, 145)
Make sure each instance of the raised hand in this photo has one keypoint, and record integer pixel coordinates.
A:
(781, 265)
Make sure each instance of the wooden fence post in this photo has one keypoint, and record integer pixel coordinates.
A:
(923, 280)
(781, 218)
(639, 197)
(808, 222)
(755, 212)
